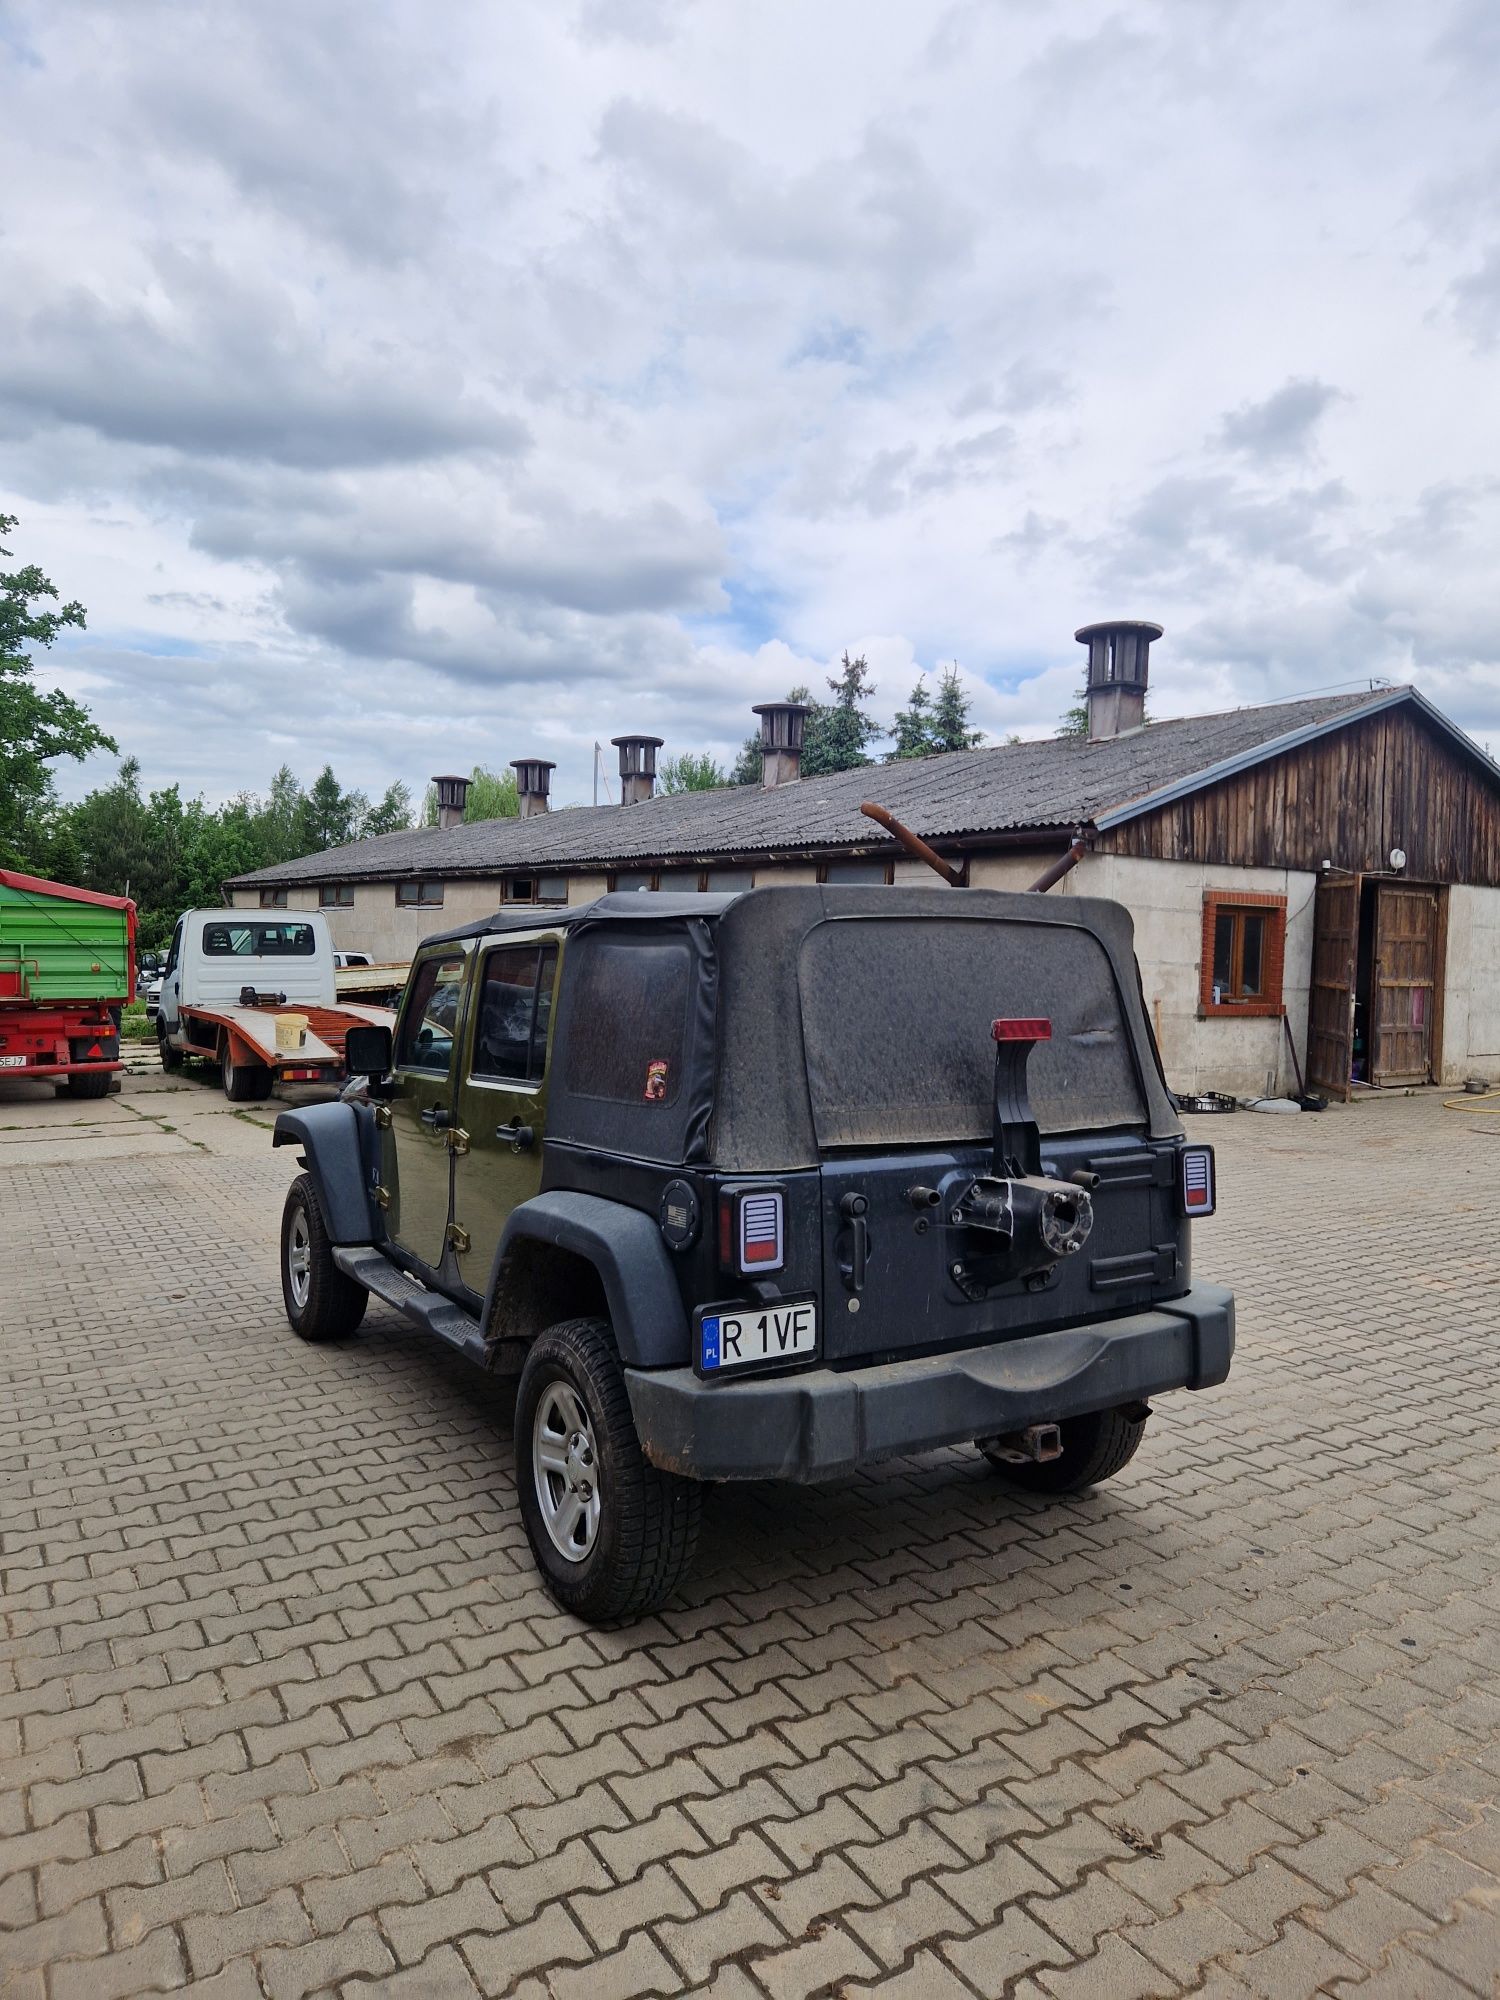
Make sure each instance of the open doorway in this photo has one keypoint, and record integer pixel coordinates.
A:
(1377, 983)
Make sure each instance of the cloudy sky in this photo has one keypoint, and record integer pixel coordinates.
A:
(417, 387)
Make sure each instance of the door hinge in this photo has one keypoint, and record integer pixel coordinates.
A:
(458, 1140)
(383, 1116)
(458, 1237)
(382, 1197)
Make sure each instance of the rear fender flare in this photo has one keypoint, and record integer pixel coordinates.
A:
(339, 1144)
(633, 1264)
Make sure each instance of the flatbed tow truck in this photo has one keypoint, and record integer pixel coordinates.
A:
(256, 993)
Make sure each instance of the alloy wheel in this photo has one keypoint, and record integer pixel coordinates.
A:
(565, 1465)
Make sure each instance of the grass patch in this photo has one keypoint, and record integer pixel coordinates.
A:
(134, 1026)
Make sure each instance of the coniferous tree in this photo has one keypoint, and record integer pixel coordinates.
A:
(913, 730)
(950, 715)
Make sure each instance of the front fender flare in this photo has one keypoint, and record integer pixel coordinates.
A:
(338, 1141)
(625, 1248)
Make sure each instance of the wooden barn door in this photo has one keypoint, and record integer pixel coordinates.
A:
(1330, 1014)
(1404, 987)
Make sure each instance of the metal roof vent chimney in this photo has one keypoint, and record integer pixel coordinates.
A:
(533, 782)
(637, 767)
(780, 740)
(452, 796)
(1118, 663)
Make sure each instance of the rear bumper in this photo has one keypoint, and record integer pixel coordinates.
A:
(824, 1423)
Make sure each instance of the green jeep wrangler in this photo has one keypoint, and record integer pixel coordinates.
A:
(765, 1187)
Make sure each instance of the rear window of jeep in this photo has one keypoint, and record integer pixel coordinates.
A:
(896, 1016)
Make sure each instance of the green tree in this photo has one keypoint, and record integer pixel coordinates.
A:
(35, 729)
(913, 730)
(1074, 721)
(330, 816)
(391, 812)
(129, 844)
(950, 714)
(281, 820)
(836, 735)
(693, 771)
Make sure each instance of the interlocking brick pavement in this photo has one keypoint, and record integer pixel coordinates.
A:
(284, 1710)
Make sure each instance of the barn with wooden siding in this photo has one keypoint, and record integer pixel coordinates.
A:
(1332, 864)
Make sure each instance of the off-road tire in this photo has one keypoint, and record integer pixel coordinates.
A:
(1094, 1448)
(334, 1304)
(648, 1520)
(85, 1083)
(170, 1058)
(244, 1083)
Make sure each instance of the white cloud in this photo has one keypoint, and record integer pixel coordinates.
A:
(404, 397)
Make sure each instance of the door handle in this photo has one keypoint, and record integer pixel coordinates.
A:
(520, 1136)
(437, 1118)
(852, 1207)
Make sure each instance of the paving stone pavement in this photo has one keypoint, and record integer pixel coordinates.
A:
(284, 1710)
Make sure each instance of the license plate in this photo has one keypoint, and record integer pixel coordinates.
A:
(12, 1062)
(754, 1337)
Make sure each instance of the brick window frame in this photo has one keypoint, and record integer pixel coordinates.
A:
(1268, 1002)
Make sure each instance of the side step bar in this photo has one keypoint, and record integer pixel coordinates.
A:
(428, 1310)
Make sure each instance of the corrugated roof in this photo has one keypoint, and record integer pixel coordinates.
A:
(1060, 782)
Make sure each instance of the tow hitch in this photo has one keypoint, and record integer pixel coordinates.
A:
(1038, 1444)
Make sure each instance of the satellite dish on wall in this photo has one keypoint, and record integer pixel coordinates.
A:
(1398, 857)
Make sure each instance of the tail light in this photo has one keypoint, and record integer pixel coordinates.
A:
(1196, 1183)
(752, 1230)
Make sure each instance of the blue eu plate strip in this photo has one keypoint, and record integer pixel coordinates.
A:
(710, 1348)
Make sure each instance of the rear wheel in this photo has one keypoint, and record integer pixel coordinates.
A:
(1094, 1448)
(322, 1302)
(244, 1083)
(612, 1536)
(89, 1083)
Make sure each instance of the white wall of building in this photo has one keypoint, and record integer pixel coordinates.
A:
(1166, 900)
(1471, 986)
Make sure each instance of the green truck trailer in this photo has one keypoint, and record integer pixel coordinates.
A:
(67, 966)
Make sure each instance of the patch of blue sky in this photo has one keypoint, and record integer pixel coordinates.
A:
(157, 645)
(663, 378)
(833, 341)
(875, 371)
(756, 613)
(13, 42)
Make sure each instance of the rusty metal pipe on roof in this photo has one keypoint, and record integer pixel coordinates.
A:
(914, 844)
(1062, 866)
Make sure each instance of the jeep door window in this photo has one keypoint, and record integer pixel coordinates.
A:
(629, 1019)
(430, 1022)
(514, 1013)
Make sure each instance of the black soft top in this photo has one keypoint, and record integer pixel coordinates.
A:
(621, 906)
(759, 1031)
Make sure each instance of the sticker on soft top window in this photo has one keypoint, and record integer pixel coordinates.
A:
(656, 1081)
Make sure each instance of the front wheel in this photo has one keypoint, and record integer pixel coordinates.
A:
(322, 1302)
(612, 1536)
(244, 1083)
(170, 1058)
(1093, 1448)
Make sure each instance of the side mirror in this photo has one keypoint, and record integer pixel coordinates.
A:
(367, 1051)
